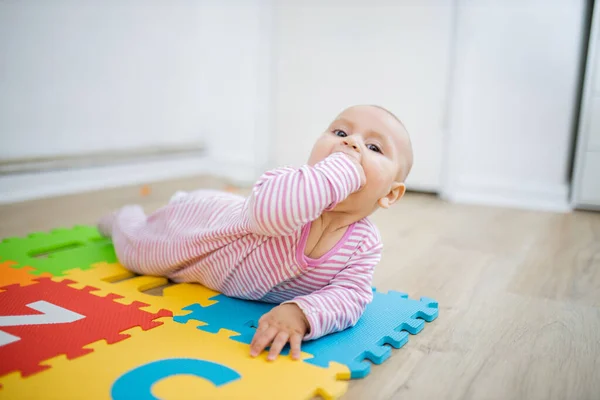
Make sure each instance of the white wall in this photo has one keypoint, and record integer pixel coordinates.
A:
(487, 87)
(335, 53)
(96, 75)
(513, 102)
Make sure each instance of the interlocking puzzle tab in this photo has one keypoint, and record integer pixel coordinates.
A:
(46, 319)
(388, 320)
(152, 363)
(236, 315)
(12, 276)
(58, 250)
(173, 298)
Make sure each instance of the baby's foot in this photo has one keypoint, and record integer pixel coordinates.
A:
(178, 195)
(105, 224)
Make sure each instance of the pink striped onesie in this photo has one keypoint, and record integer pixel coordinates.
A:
(253, 248)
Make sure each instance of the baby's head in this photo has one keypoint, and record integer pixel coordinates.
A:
(381, 144)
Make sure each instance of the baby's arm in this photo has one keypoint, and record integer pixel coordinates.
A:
(340, 304)
(285, 199)
(335, 307)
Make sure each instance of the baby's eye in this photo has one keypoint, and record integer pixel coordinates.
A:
(340, 133)
(374, 148)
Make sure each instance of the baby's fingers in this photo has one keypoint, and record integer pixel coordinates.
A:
(262, 338)
(280, 341)
(295, 341)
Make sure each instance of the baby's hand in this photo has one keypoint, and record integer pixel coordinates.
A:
(283, 323)
(361, 171)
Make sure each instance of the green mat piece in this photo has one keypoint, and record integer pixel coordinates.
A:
(58, 250)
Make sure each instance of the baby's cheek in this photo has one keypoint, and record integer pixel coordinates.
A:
(379, 176)
(380, 181)
(322, 148)
(379, 170)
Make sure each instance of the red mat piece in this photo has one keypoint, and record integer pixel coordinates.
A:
(74, 318)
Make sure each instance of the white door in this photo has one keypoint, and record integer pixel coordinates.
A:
(333, 54)
(586, 177)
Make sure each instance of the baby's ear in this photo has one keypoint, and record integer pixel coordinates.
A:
(396, 192)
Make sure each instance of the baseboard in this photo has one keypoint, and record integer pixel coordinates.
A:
(515, 195)
(586, 207)
(23, 187)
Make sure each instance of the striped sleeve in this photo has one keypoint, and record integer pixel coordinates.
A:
(284, 200)
(340, 304)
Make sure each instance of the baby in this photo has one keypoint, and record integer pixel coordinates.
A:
(301, 239)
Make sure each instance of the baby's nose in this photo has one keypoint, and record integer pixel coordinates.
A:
(352, 143)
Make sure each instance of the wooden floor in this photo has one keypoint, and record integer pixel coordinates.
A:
(519, 293)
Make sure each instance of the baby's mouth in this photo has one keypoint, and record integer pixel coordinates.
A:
(349, 153)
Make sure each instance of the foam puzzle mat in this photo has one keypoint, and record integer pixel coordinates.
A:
(75, 324)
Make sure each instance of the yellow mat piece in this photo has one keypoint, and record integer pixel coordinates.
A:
(108, 278)
(176, 361)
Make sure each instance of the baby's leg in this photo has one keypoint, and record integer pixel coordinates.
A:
(198, 195)
(106, 222)
(180, 194)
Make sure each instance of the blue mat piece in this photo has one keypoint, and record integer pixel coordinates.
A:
(237, 315)
(387, 320)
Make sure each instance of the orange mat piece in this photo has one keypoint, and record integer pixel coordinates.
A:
(21, 276)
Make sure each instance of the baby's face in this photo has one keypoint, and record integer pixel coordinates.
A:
(379, 143)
